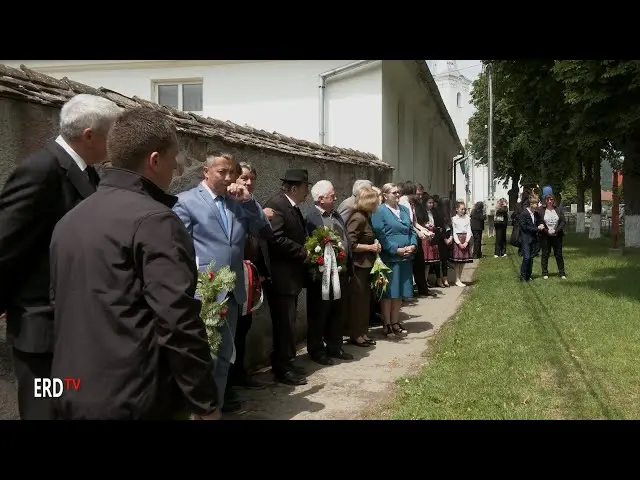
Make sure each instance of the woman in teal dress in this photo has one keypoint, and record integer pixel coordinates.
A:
(393, 228)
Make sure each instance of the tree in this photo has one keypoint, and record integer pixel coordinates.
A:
(606, 97)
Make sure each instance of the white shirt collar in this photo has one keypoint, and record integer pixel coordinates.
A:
(213, 195)
(293, 204)
(82, 165)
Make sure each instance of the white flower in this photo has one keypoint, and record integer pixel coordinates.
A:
(318, 249)
(339, 269)
(339, 244)
(321, 268)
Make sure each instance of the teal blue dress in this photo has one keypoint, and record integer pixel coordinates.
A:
(393, 233)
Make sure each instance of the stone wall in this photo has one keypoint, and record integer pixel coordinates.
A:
(26, 126)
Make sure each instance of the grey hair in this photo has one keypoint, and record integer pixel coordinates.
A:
(320, 189)
(359, 185)
(87, 111)
(211, 159)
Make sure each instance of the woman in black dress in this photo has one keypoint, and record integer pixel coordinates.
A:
(442, 214)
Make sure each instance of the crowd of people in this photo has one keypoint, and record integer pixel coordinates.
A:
(98, 276)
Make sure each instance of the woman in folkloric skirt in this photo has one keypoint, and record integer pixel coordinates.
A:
(461, 233)
(430, 247)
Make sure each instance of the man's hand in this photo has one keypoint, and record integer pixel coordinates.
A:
(239, 191)
(268, 212)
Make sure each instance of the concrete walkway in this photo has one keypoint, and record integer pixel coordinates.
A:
(344, 390)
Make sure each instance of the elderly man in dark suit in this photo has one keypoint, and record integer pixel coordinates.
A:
(288, 254)
(41, 190)
(345, 209)
(326, 317)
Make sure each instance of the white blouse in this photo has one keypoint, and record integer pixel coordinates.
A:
(404, 200)
(461, 225)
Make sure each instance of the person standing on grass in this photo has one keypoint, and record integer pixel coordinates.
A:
(461, 233)
(530, 224)
(477, 227)
(500, 222)
(551, 237)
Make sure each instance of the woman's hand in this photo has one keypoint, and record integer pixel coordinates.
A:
(464, 245)
(421, 235)
(375, 248)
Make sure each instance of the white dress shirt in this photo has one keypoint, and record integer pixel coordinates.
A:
(82, 165)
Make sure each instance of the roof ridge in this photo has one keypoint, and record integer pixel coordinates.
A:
(29, 85)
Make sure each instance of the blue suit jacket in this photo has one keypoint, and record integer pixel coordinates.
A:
(199, 213)
(393, 232)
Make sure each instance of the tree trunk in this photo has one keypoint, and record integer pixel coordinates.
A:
(631, 188)
(513, 191)
(596, 198)
(580, 199)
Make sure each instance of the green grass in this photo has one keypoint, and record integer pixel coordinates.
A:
(550, 349)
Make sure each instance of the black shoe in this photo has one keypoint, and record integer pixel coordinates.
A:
(248, 382)
(340, 354)
(321, 358)
(291, 378)
(231, 405)
(298, 370)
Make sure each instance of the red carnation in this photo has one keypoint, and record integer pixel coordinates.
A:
(320, 260)
(341, 256)
(211, 275)
(327, 240)
(223, 312)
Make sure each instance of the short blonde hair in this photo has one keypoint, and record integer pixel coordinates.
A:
(534, 198)
(367, 200)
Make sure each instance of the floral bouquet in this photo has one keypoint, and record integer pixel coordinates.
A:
(327, 257)
(380, 281)
(211, 285)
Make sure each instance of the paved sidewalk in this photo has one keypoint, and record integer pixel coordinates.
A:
(342, 391)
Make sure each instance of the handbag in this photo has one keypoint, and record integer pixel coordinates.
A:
(515, 235)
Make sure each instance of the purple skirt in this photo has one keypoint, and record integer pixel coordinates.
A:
(461, 255)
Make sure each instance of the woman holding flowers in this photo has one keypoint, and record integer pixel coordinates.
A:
(392, 226)
(364, 249)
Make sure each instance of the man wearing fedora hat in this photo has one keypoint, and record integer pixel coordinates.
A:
(287, 254)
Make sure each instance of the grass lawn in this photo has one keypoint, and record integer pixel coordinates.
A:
(549, 349)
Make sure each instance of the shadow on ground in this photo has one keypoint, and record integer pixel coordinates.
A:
(569, 372)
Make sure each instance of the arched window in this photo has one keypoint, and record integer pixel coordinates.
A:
(459, 99)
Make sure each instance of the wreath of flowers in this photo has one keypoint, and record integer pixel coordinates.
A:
(315, 245)
(210, 284)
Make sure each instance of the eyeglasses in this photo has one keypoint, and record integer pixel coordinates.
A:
(394, 193)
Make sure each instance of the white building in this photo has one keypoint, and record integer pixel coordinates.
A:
(455, 89)
(391, 108)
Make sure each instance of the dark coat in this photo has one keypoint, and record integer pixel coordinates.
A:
(286, 248)
(360, 231)
(39, 192)
(123, 280)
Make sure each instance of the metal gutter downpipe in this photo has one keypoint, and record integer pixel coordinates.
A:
(323, 83)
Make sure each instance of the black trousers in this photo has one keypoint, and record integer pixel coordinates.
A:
(237, 370)
(325, 319)
(443, 248)
(546, 244)
(27, 367)
(283, 309)
(477, 243)
(501, 240)
(419, 271)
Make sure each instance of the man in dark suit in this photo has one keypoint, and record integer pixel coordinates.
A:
(287, 254)
(530, 224)
(326, 314)
(42, 188)
(123, 281)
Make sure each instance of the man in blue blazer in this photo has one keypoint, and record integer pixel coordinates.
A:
(219, 215)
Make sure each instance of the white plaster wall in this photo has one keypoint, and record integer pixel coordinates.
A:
(280, 96)
(415, 140)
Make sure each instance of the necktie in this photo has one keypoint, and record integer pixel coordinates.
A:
(223, 213)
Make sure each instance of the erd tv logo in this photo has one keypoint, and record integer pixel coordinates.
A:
(54, 387)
